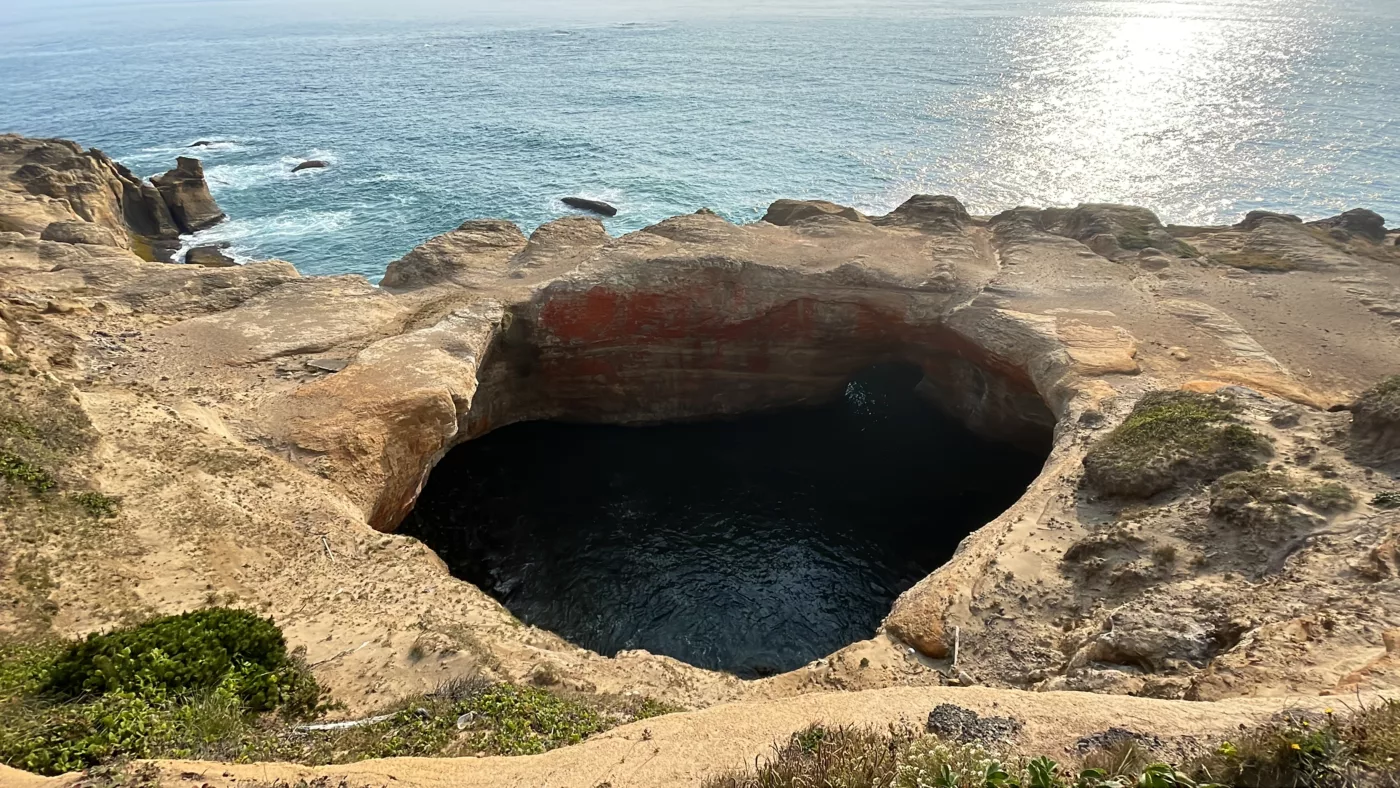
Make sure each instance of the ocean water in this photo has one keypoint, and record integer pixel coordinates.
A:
(753, 545)
(435, 112)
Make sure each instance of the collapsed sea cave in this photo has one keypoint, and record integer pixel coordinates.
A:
(750, 543)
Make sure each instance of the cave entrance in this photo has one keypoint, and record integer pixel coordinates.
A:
(752, 544)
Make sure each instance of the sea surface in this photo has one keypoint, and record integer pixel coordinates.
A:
(431, 113)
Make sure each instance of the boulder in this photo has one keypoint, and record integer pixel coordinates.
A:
(1133, 228)
(81, 233)
(786, 212)
(211, 256)
(1358, 221)
(314, 164)
(1255, 218)
(186, 193)
(935, 212)
(200, 143)
(585, 204)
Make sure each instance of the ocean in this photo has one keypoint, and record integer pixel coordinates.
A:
(431, 113)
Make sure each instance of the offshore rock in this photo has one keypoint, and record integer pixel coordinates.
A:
(313, 164)
(585, 204)
(187, 195)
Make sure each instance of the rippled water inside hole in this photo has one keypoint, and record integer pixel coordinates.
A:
(751, 545)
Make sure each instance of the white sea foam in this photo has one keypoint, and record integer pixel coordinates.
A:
(253, 239)
(234, 177)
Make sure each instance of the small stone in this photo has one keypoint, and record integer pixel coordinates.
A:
(328, 364)
(1179, 353)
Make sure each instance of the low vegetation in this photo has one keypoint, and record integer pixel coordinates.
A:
(1247, 496)
(220, 684)
(1321, 751)
(1172, 438)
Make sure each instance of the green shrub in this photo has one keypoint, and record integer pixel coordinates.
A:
(96, 505)
(1390, 499)
(185, 653)
(20, 472)
(1170, 438)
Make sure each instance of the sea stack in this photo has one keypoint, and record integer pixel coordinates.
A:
(187, 194)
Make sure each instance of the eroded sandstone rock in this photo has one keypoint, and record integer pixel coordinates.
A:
(187, 195)
(80, 233)
(1375, 425)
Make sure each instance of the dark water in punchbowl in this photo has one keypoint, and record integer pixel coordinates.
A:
(432, 112)
(754, 545)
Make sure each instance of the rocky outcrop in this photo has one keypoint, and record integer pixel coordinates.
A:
(80, 233)
(187, 195)
(475, 250)
(1358, 221)
(786, 212)
(268, 432)
(313, 164)
(47, 181)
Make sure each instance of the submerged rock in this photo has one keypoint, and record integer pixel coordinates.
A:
(314, 164)
(585, 204)
(187, 195)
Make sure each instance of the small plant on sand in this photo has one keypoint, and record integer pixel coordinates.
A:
(1170, 438)
(96, 505)
(21, 473)
(1390, 499)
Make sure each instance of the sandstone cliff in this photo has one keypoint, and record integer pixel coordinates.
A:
(56, 182)
(266, 432)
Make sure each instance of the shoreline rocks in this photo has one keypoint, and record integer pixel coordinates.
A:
(209, 256)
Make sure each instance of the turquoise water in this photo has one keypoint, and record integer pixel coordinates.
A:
(434, 113)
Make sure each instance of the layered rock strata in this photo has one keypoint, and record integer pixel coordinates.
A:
(266, 432)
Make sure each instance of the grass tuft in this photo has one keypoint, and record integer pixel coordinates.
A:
(1171, 438)
(1318, 750)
